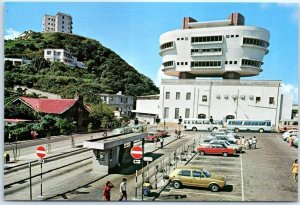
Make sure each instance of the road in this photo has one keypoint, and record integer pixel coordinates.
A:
(262, 174)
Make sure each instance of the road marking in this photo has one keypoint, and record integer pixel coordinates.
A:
(185, 192)
(242, 179)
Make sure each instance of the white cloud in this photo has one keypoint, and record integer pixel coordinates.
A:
(291, 90)
(11, 34)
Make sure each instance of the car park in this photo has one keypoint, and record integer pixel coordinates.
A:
(236, 147)
(219, 149)
(196, 176)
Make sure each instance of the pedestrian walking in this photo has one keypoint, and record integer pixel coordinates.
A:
(243, 143)
(9, 138)
(179, 133)
(294, 170)
(123, 190)
(161, 142)
(250, 143)
(254, 141)
(106, 191)
(155, 141)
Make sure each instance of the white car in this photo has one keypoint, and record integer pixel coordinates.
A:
(289, 133)
(229, 136)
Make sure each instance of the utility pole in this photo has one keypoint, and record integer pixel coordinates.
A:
(237, 104)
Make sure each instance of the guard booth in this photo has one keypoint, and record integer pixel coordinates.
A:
(108, 153)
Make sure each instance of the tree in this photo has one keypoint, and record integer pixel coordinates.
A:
(100, 115)
(40, 63)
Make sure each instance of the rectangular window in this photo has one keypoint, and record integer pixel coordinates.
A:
(167, 95)
(166, 112)
(188, 96)
(176, 113)
(257, 99)
(271, 100)
(187, 113)
(204, 98)
(48, 52)
(177, 95)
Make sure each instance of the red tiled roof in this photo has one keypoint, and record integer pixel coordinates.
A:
(51, 106)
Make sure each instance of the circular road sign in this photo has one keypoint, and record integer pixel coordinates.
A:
(136, 152)
(41, 151)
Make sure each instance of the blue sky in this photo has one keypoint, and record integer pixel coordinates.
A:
(132, 30)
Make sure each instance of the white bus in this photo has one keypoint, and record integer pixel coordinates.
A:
(202, 124)
(250, 125)
(285, 125)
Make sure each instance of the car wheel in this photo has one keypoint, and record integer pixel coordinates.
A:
(236, 130)
(214, 187)
(214, 129)
(177, 184)
(261, 130)
(225, 154)
(194, 129)
(202, 153)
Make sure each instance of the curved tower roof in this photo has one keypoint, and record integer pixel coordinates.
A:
(224, 48)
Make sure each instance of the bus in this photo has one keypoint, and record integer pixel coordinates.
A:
(250, 125)
(202, 124)
(285, 125)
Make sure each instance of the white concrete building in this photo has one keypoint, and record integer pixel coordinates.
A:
(59, 23)
(122, 104)
(227, 49)
(62, 55)
(147, 108)
(18, 61)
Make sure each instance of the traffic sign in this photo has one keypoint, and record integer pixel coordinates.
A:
(148, 159)
(136, 161)
(41, 151)
(136, 152)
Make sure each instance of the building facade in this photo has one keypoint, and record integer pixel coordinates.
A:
(225, 49)
(18, 61)
(59, 23)
(62, 55)
(122, 104)
(222, 99)
(147, 108)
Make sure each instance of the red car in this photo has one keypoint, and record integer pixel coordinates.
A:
(151, 137)
(162, 133)
(215, 149)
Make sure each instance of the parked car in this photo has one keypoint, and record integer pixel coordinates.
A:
(224, 130)
(289, 133)
(196, 176)
(295, 142)
(221, 149)
(151, 137)
(219, 137)
(231, 137)
(162, 133)
(290, 139)
(236, 147)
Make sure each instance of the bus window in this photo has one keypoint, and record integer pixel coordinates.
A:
(247, 123)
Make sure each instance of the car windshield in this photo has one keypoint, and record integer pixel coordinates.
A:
(206, 173)
(227, 143)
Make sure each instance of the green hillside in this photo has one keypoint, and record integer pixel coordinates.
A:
(106, 72)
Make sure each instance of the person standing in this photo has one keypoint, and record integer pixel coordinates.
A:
(123, 190)
(106, 191)
(161, 142)
(250, 143)
(294, 170)
(254, 141)
(243, 143)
